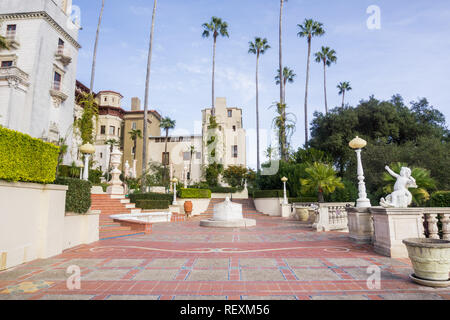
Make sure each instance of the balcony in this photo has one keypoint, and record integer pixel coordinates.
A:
(12, 40)
(57, 95)
(62, 56)
(15, 77)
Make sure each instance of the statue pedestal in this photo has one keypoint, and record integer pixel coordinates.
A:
(360, 225)
(285, 210)
(392, 226)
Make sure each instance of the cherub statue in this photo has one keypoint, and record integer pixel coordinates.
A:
(401, 197)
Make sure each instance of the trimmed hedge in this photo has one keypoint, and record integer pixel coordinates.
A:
(223, 190)
(194, 194)
(302, 199)
(152, 204)
(23, 158)
(440, 199)
(269, 194)
(150, 196)
(78, 197)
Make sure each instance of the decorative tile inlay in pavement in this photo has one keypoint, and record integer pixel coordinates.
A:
(277, 259)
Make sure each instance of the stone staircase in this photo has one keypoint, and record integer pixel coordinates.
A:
(109, 205)
(248, 206)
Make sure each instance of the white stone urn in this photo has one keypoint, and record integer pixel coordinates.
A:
(302, 213)
(430, 259)
(115, 185)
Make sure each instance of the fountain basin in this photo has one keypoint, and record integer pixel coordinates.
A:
(147, 217)
(228, 215)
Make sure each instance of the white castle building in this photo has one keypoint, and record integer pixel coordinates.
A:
(38, 72)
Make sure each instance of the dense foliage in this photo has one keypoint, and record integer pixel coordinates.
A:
(150, 196)
(23, 158)
(415, 135)
(269, 194)
(235, 176)
(440, 199)
(78, 196)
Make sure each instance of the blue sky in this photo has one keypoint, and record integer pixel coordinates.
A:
(409, 55)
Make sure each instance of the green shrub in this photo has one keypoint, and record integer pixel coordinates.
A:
(440, 199)
(223, 190)
(302, 199)
(348, 194)
(152, 204)
(194, 193)
(68, 171)
(95, 176)
(269, 194)
(150, 196)
(78, 197)
(23, 158)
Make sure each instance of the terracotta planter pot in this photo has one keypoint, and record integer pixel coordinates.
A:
(302, 214)
(188, 206)
(430, 258)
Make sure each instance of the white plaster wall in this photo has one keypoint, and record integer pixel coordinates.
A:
(31, 229)
(198, 205)
(269, 206)
(80, 229)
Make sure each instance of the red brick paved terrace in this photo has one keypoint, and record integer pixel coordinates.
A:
(278, 259)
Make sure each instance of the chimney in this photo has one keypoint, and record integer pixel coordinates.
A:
(135, 104)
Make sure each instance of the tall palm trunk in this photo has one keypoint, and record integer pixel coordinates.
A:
(146, 102)
(282, 87)
(343, 97)
(306, 92)
(257, 114)
(325, 85)
(165, 153)
(213, 110)
(94, 59)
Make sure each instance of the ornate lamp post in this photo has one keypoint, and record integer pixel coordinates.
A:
(285, 199)
(87, 149)
(174, 181)
(357, 144)
(80, 165)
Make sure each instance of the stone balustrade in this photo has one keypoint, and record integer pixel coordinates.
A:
(432, 216)
(329, 216)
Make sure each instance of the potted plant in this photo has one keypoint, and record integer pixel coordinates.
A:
(431, 261)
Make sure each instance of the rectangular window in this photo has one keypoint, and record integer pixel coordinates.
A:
(118, 132)
(112, 130)
(186, 156)
(165, 158)
(60, 46)
(11, 32)
(234, 128)
(102, 129)
(57, 81)
(6, 64)
(101, 155)
(230, 113)
(199, 155)
(133, 126)
(234, 151)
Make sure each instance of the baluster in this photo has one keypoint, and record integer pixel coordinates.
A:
(445, 219)
(433, 229)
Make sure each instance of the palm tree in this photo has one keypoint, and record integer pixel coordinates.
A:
(3, 43)
(321, 178)
(167, 124)
(288, 76)
(135, 134)
(280, 69)
(94, 58)
(147, 82)
(259, 47)
(285, 123)
(192, 152)
(216, 27)
(326, 56)
(424, 182)
(111, 143)
(343, 88)
(308, 30)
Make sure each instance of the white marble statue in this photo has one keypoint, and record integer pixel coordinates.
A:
(127, 169)
(401, 197)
